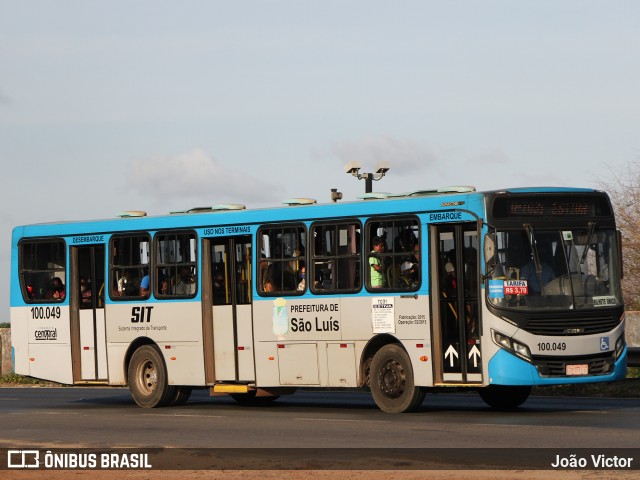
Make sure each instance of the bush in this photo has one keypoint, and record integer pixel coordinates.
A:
(5, 325)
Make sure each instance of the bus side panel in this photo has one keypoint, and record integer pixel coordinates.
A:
(115, 361)
(176, 327)
(185, 363)
(265, 323)
(409, 324)
(20, 339)
(347, 322)
(49, 337)
(51, 362)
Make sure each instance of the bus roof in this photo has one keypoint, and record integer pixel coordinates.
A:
(296, 210)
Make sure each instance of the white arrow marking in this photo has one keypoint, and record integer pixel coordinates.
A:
(451, 352)
(475, 353)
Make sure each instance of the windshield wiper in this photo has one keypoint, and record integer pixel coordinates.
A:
(534, 250)
(592, 227)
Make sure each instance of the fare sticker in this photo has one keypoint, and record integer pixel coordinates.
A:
(516, 287)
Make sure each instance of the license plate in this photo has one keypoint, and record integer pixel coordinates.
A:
(582, 369)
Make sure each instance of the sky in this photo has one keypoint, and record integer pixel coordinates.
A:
(161, 106)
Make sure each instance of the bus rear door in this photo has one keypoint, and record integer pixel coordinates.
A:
(86, 295)
(228, 310)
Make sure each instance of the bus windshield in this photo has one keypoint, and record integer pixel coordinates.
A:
(553, 269)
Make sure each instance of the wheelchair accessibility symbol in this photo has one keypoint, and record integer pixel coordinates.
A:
(604, 344)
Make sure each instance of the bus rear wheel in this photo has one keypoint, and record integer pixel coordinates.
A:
(391, 381)
(504, 397)
(181, 396)
(147, 376)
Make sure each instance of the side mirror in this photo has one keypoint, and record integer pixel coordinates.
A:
(490, 249)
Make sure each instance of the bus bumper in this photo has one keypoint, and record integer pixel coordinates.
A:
(507, 369)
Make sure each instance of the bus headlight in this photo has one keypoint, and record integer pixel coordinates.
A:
(502, 340)
(521, 349)
(515, 347)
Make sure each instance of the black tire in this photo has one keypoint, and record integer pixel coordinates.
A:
(250, 398)
(147, 376)
(181, 396)
(503, 397)
(391, 381)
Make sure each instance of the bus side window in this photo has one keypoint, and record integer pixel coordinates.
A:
(176, 272)
(394, 254)
(129, 264)
(41, 264)
(282, 255)
(336, 257)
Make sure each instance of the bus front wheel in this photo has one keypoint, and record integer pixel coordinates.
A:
(391, 381)
(504, 397)
(147, 376)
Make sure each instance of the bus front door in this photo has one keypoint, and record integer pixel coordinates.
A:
(86, 295)
(454, 272)
(229, 295)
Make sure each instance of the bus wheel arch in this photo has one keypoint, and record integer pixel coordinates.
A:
(137, 343)
(390, 377)
(147, 376)
(372, 347)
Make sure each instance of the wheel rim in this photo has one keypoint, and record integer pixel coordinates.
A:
(392, 379)
(147, 377)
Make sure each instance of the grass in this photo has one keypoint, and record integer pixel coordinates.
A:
(633, 372)
(15, 379)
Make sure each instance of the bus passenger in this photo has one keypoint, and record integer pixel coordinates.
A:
(267, 279)
(375, 264)
(85, 293)
(302, 273)
(144, 286)
(186, 284)
(127, 285)
(411, 267)
(164, 285)
(536, 281)
(57, 291)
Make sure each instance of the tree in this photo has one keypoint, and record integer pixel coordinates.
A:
(624, 192)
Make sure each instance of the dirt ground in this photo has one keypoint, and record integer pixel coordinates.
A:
(320, 475)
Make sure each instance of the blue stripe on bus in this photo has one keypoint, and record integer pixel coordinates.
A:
(507, 369)
(472, 204)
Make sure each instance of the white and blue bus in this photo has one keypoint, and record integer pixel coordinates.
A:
(401, 294)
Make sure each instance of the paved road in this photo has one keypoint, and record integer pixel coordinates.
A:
(104, 417)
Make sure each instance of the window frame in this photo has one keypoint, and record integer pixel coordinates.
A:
(156, 265)
(311, 265)
(282, 260)
(368, 237)
(52, 271)
(140, 267)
